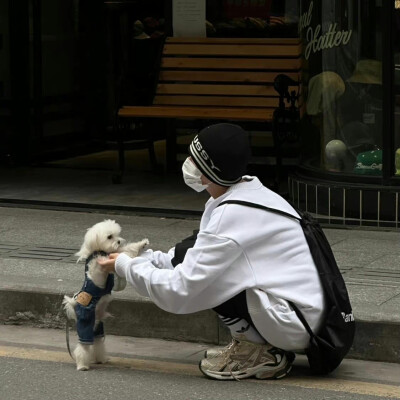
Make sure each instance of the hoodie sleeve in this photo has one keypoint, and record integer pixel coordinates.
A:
(159, 259)
(201, 282)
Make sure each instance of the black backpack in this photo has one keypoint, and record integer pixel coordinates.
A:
(332, 342)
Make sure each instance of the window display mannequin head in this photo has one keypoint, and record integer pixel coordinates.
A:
(335, 155)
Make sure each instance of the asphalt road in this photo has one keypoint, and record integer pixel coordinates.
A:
(38, 380)
(35, 366)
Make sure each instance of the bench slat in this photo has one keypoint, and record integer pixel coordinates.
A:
(265, 41)
(288, 64)
(227, 101)
(248, 50)
(238, 90)
(238, 114)
(222, 76)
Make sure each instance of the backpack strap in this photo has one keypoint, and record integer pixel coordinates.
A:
(285, 214)
(255, 205)
(300, 316)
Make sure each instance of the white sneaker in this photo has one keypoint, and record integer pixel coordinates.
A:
(245, 360)
(216, 351)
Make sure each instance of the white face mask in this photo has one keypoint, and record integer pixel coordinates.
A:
(192, 176)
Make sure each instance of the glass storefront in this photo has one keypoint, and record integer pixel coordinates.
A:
(396, 57)
(349, 169)
(343, 89)
(252, 18)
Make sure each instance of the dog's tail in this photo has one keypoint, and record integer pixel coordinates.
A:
(69, 304)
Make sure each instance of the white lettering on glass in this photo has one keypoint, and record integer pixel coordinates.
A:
(318, 41)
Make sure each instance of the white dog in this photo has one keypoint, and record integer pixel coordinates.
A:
(88, 306)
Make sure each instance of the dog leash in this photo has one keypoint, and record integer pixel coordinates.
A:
(67, 337)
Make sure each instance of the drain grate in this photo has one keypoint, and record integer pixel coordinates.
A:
(12, 250)
(5, 247)
(373, 273)
(376, 277)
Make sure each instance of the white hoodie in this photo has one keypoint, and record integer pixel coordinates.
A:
(239, 248)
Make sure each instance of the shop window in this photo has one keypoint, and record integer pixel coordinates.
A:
(396, 49)
(252, 18)
(343, 86)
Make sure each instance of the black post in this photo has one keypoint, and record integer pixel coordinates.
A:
(37, 72)
(388, 92)
(92, 55)
(19, 79)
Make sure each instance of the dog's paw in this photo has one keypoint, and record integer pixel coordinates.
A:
(82, 368)
(133, 249)
(143, 243)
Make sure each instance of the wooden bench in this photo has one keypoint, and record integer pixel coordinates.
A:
(218, 79)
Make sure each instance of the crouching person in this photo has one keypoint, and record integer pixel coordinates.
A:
(246, 264)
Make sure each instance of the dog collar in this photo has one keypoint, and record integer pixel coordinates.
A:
(95, 255)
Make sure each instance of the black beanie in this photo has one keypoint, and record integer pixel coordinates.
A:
(221, 152)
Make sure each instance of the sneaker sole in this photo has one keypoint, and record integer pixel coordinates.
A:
(259, 372)
(278, 375)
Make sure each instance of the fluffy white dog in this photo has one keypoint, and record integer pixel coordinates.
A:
(88, 306)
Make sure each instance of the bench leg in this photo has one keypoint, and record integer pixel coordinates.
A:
(117, 175)
(278, 149)
(171, 146)
(152, 155)
(276, 134)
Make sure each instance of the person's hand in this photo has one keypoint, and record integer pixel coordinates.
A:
(108, 264)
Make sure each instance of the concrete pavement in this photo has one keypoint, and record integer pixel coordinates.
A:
(37, 267)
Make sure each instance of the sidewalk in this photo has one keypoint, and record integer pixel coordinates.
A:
(37, 267)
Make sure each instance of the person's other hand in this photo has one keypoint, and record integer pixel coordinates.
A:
(108, 264)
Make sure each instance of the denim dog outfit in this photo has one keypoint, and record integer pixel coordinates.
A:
(87, 300)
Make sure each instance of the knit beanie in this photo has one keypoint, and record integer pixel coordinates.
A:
(221, 152)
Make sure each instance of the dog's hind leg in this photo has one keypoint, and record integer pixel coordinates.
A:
(100, 351)
(83, 355)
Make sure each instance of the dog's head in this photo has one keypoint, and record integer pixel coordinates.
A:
(103, 236)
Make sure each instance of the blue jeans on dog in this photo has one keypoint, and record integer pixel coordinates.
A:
(86, 313)
(85, 325)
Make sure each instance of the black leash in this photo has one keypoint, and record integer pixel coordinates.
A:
(67, 337)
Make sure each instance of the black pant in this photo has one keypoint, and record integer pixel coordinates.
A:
(233, 308)
(236, 307)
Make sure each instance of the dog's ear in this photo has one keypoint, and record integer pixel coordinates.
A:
(80, 254)
(90, 244)
(83, 253)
